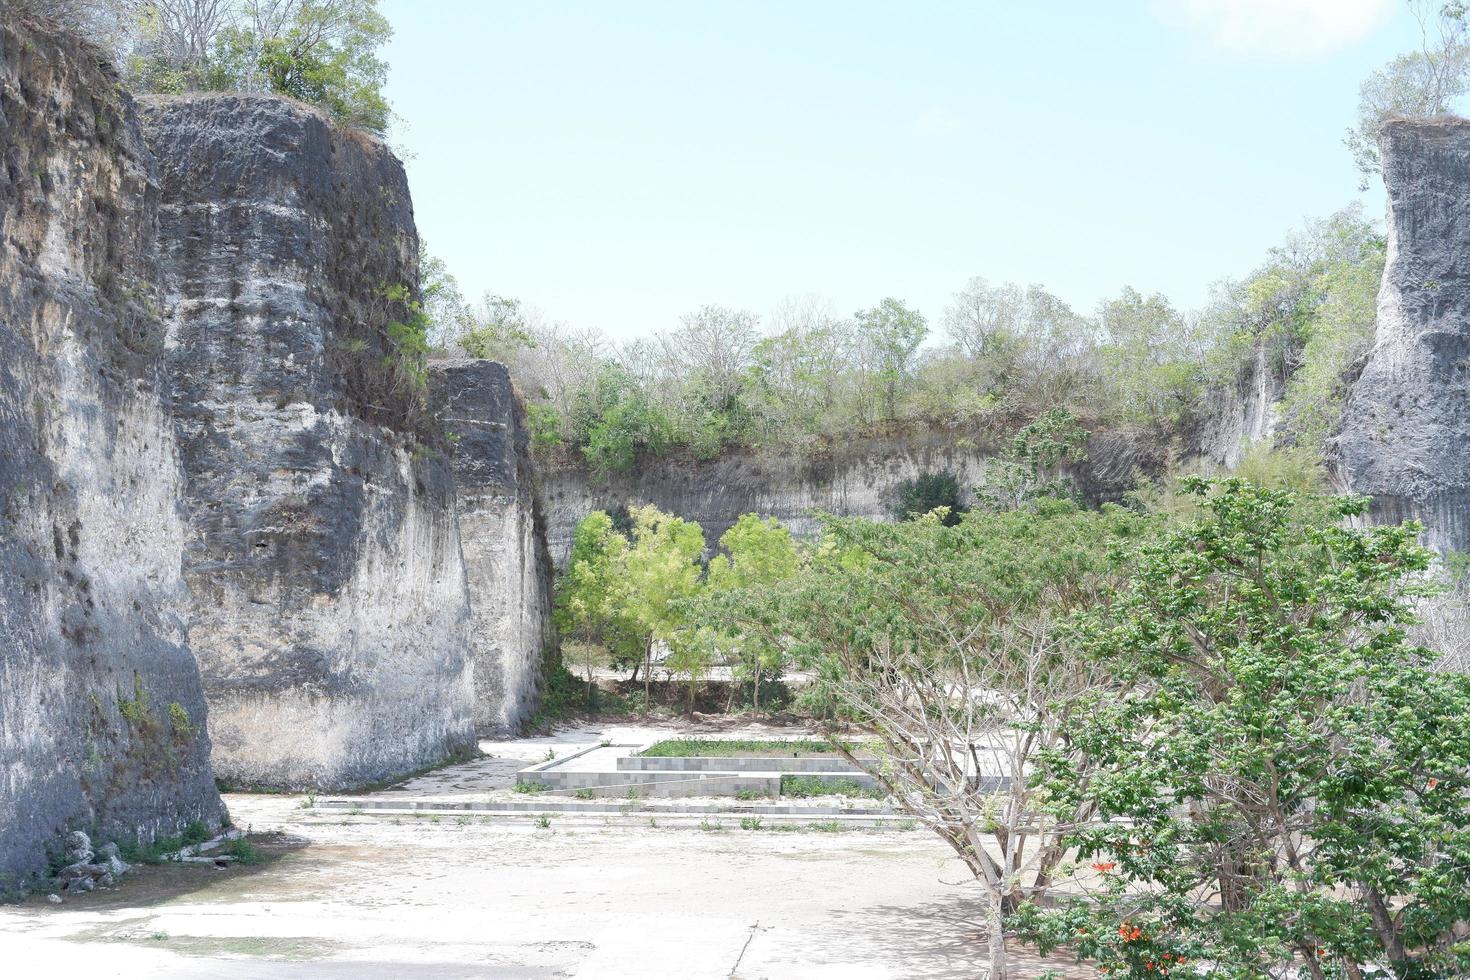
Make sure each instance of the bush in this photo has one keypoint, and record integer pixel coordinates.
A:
(927, 491)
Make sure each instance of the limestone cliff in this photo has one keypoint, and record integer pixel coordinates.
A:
(1406, 428)
(330, 616)
(503, 538)
(857, 477)
(102, 718)
(1234, 418)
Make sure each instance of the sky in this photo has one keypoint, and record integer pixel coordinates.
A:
(618, 164)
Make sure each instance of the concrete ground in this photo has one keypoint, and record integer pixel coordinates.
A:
(347, 895)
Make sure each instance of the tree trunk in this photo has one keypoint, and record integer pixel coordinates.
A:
(755, 695)
(997, 943)
(648, 675)
(1388, 932)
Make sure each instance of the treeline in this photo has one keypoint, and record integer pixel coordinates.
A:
(1000, 354)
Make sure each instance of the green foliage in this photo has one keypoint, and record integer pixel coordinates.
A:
(136, 709)
(1415, 85)
(545, 426)
(891, 334)
(738, 748)
(801, 787)
(243, 851)
(323, 52)
(530, 787)
(926, 492)
(179, 721)
(408, 338)
(758, 555)
(1302, 761)
(614, 421)
(1033, 468)
(1307, 314)
(496, 330)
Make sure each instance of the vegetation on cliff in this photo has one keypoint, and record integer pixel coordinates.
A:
(1004, 353)
(323, 52)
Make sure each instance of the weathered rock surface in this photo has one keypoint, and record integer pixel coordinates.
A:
(503, 538)
(1406, 430)
(330, 615)
(102, 718)
(1236, 418)
(858, 477)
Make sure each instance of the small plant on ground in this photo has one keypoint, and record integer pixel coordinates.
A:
(243, 851)
(543, 821)
(750, 823)
(522, 786)
(308, 803)
(749, 794)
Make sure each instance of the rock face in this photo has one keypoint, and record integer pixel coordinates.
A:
(330, 614)
(1406, 428)
(102, 717)
(1234, 419)
(859, 477)
(503, 538)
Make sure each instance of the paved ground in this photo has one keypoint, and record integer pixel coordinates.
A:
(363, 896)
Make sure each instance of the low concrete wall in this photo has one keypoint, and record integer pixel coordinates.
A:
(683, 776)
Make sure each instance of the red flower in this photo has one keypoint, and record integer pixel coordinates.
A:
(1104, 866)
(1432, 783)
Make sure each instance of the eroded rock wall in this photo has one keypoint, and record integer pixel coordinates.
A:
(503, 538)
(858, 477)
(102, 717)
(330, 616)
(1234, 419)
(1406, 429)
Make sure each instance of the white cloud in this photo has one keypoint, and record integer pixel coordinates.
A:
(1278, 28)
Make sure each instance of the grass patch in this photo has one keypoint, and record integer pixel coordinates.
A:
(800, 787)
(135, 852)
(243, 851)
(530, 787)
(707, 748)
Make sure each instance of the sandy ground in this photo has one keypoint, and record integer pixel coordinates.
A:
(356, 895)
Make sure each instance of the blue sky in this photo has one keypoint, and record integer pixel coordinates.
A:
(616, 164)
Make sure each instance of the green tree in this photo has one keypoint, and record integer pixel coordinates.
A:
(1035, 465)
(1285, 783)
(944, 643)
(891, 334)
(658, 577)
(1151, 366)
(758, 554)
(589, 606)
